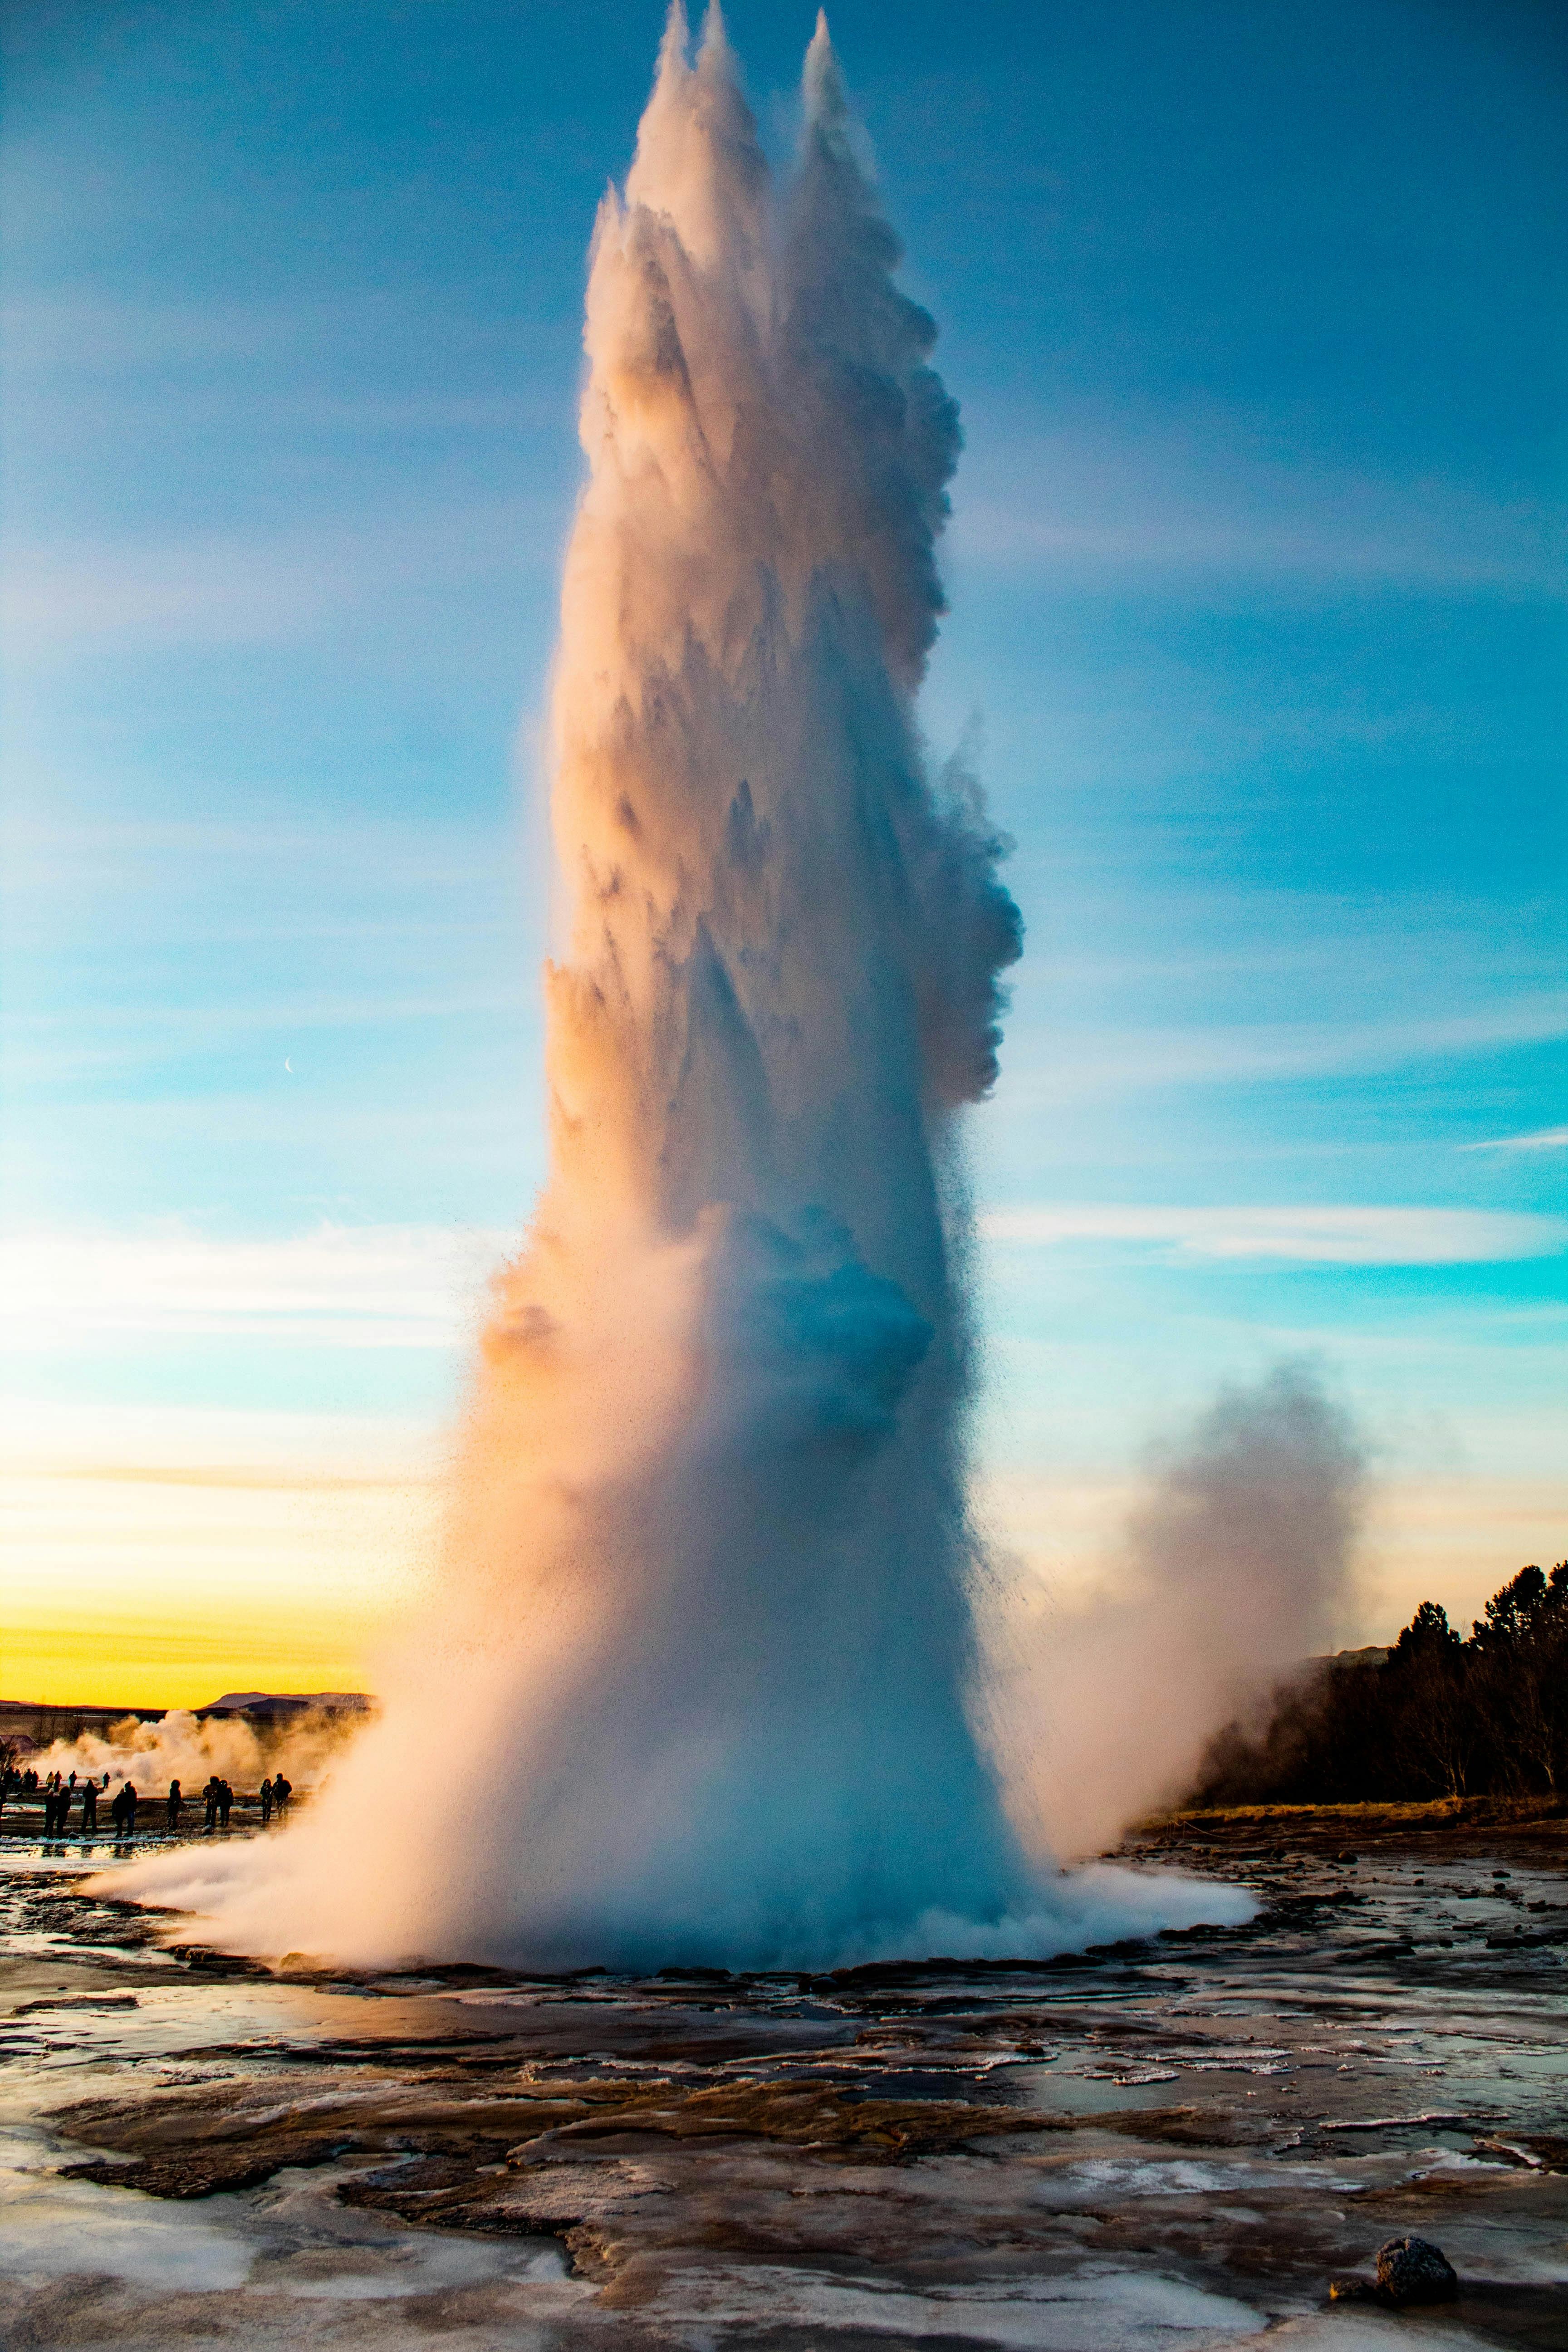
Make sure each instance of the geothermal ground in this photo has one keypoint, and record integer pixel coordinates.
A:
(1176, 2142)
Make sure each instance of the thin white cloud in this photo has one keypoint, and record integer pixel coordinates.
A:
(1098, 1062)
(1308, 1236)
(1544, 1139)
(49, 336)
(341, 1287)
(217, 590)
(120, 1037)
(59, 1438)
(1215, 494)
(402, 1287)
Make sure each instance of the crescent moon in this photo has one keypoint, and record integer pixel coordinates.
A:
(289, 1066)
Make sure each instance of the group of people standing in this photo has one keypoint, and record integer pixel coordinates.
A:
(61, 1793)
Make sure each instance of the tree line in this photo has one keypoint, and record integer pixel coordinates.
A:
(1441, 1714)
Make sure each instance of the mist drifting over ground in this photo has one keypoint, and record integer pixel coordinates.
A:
(700, 1669)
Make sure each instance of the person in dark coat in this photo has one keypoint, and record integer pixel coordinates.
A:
(171, 1809)
(209, 1802)
(123, 1812)
(225, 1800)
(89, 1809)
(282, 1790)
(266, 1795)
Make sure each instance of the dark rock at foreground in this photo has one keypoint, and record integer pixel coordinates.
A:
(1409, 2270)
(1413, 2270)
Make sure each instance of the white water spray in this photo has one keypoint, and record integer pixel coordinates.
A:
(704, 1631)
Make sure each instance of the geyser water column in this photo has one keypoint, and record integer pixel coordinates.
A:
(697, 1683)
(717, 1434)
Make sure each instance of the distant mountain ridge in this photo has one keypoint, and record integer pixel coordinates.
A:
(273, 1703)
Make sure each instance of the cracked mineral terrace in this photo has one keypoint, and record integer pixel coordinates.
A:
(1177, 2142)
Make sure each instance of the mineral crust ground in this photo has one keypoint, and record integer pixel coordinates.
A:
(1176, 2143)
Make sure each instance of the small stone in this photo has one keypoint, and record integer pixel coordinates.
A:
(1352, 2290)
(1413, 2270)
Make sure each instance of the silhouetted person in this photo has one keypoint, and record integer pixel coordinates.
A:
(89, 1809)
(123, 1812)
(266, 1794)
(209, 1800)
(225, 1800)
(171, 1809)
(282, 1790)
(63, 1809)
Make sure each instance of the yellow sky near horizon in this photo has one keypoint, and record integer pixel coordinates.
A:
(163, 1583)
(167, 1585)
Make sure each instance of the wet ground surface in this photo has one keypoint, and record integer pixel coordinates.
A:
(1178, 2142)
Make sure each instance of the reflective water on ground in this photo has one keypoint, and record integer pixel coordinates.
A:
(1177, 2142)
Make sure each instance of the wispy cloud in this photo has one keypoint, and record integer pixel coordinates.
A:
(1309, 1236)
(343, 1286)
(422, 1286)
(1544, 1139)
(51, 1045)
(230, 589)
(1104, 1061)
(1214, 495)
(264, 1447)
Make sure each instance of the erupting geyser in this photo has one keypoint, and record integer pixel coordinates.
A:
(699, 1677)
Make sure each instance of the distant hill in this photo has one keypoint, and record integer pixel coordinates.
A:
(273, 1704)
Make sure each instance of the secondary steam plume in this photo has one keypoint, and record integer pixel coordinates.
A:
(704, 1629)
(189, 1749)
(1237, 1569)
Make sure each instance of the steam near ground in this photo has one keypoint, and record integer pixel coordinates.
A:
(1234, 1571)
(181, 1746)
(705, 1634)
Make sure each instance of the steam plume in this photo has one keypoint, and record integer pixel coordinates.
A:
(189, 1749)
(1236, 1571)
(705, 1624)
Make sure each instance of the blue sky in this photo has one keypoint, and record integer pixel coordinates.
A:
(1255, 315)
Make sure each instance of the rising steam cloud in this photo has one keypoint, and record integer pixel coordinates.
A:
(704, 1650)
(180, 1745)
(1236, 1571)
